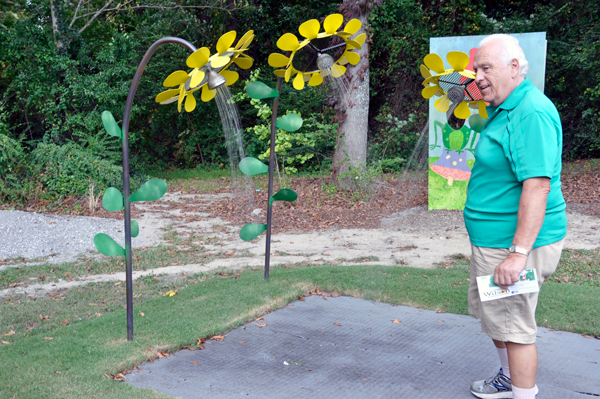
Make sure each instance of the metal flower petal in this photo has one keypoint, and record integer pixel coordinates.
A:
(245, 41)
(166, 95)
(198, 58)
(190, 102)
(288, 42)
(243, 61)
(207, 94)
(226, 41)
(176, 78)
(458, 60)
(353, 26)
(435, 63)
(310, 29)
(332, 23)
(443, 104)
(231, 77)
(277, 60)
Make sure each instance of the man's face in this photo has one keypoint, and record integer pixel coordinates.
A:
(494, 79)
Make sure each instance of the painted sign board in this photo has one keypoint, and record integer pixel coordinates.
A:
(451, 150)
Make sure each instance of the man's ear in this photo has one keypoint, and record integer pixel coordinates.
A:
(515, 68)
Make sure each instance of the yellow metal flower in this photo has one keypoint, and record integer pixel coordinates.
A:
(320, 53)
(456, 84)
(203, 63)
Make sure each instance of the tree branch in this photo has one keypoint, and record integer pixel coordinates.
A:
(75, 15)
(152, 7)
(95, 15)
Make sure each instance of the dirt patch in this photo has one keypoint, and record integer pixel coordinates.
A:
(321, 206)
(392, 227)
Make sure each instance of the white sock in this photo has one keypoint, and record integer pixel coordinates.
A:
(503, 353)
(522, 393)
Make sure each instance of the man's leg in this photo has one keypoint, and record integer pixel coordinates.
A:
(503, 355)
(522, 360)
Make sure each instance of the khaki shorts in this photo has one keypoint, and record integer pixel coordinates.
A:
(510, 319)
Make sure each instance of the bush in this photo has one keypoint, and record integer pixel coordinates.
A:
(12, 168)
(68, 170)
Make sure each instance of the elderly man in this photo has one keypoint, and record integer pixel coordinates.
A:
(515, 211)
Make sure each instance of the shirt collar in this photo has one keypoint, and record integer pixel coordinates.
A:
(514, 98)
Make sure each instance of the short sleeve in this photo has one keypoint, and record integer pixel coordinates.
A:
(533, 146)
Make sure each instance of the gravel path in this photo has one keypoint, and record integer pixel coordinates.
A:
(415, 237)
(54, 238)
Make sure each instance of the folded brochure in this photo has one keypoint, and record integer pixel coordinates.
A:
(488, 290)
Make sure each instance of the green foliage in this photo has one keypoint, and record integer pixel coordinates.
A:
(361, 180)
(67, 170)
(296, 149)
(396, 140)
(12, 167)
(573, 60)
(11, 156)
(401, 30)
(53, 88)
(329, 189)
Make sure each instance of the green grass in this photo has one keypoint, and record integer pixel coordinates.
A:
(578, 267)
(92, 344)
(144, 259)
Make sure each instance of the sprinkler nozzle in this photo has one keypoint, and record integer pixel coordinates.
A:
(456, 94)
(215, 80)
(324, 61)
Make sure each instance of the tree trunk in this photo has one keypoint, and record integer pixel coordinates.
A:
(55, 14)
(351, 145)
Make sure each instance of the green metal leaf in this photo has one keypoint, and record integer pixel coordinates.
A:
(476, 122)
(112, 200)
(259, 91)
(150, 191)
(285, 194)
(290, 122)
(107, 245)
(252, 230)
(135, 228)
(251, 166)
(111, 126)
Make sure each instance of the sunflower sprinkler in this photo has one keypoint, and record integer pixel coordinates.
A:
(208, 73)
(318, 56)
(459, 95)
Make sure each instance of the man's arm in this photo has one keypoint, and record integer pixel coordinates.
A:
(532, 210)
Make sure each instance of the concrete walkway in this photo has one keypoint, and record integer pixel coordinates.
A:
(351, 348)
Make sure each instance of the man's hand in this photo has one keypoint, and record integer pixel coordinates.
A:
(507, 273)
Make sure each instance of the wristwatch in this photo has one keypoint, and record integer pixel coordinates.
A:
(519, 250)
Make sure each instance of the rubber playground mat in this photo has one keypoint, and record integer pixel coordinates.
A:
(352, 348)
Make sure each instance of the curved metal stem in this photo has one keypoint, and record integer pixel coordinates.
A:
(126, 117)
(271, 171)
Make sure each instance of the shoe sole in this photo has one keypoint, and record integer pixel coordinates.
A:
(498, 395)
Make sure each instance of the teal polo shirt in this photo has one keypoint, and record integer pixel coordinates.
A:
(521, 139)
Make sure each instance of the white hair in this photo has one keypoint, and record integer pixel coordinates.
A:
(510, 50)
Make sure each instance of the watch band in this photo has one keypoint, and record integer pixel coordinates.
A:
(519, 250)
